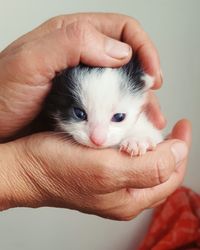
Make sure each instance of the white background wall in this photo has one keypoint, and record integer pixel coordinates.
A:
(174, 26)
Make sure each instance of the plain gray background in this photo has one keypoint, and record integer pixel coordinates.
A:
(174, 27)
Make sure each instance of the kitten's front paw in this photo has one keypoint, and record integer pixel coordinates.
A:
(137, 146)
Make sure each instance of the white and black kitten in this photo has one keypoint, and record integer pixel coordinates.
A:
(103, 107)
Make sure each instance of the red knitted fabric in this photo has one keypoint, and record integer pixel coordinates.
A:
(176, 223)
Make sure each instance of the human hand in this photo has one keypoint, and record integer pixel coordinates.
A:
(44, 170)
(28, 65)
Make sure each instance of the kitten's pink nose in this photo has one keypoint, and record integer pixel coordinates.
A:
(98, 137)
(98, 141)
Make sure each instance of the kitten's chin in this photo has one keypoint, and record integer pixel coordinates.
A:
(99, 147)
(91, 145)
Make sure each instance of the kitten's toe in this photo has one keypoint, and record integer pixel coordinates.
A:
(152, 145)
(137, 146)
(130, 147)
(142, 147)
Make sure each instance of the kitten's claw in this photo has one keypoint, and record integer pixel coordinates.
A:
(137, 146)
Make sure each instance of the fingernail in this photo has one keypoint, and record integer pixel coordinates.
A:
(117, 49)
(179, 151)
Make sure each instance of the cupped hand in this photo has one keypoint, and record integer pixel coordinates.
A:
(28, 65)
(45, 170)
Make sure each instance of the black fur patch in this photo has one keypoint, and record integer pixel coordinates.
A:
(134, 72)
(61, 98)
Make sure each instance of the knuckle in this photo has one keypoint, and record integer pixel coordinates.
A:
(55, 22)
(137, 22)
(125, 213)
(134, 21)
(113, 174)
(163, 169)
(125, 217)
(19, 60)
(80, 29)
(104, 180)
(128, 19)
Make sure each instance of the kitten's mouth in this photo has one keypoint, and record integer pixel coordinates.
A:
(103, 146)
(96, 146)
(91, 145)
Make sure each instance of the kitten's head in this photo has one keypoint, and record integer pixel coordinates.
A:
(98, 106)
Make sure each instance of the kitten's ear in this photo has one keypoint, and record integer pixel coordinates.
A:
(148, 81)
(135, 71)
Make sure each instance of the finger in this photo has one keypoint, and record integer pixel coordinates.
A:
(113, 205)
(149, 197)
(153, 111)
(119, 27)
(182, 131)
(127, 29)
(128, 203)
(158, 203)
(154, 167)
(146, 51)
(113, 170)
(64, 48)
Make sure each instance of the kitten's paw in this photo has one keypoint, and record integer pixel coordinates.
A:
(137, 146)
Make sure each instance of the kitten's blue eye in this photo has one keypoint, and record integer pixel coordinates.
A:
(118, 117)
(80, 114)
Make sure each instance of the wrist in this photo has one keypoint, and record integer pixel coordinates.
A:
(7, 176)
(6, 162)
(16, 185)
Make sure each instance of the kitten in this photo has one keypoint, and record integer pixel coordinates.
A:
(103, 107)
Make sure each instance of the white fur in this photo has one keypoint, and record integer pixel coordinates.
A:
(102, 96)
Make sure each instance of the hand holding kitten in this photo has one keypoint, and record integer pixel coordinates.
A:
(28, 65)
(40, 169)
(43, 170)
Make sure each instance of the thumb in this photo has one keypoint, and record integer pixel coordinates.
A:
(151, 169)
(82, 42)
(152, 196)
(98, 49)
(38, 60)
